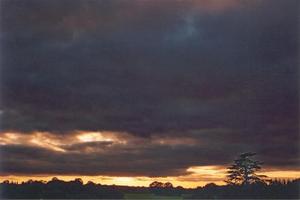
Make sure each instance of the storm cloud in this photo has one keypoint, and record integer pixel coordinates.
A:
(224, 75)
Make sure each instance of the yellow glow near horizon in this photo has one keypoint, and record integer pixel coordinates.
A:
(107, 180)
(197, 175)
(280, 174)
(200, 176)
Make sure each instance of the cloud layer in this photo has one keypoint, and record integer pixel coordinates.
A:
(223, 76)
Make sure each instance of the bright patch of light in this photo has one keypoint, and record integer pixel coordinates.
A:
(93, 137)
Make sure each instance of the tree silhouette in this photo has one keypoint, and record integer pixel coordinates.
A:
(243, 171)
(156, 184)
(168, 185)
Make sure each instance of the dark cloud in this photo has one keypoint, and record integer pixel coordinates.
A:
(154, 69)
(168, 155)
(125, 162)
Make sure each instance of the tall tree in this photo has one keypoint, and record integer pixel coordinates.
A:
(243, 170)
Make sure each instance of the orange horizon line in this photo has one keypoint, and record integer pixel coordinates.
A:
(48, 179)
(135, 186)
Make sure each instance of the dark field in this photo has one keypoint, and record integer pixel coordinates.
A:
(57, 189)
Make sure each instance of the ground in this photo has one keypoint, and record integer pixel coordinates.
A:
(149, 196)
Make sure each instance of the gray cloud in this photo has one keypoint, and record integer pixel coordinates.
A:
(150, 69)
(161, 155)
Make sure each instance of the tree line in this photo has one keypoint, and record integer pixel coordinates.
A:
(243, 181)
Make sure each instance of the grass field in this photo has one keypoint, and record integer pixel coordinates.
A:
(149, 196)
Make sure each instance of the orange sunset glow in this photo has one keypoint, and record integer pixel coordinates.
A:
(149, 99)
(197, 175)
(200, 177)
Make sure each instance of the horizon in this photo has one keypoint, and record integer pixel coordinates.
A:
(142, 181)
(129, 92)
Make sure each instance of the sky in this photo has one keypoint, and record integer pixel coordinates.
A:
(131, 91)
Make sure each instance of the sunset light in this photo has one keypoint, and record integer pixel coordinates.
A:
(93, 137)
(149, 99)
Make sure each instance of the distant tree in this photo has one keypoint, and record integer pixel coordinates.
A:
(156, 184)
(90, 183)
(179, 187)
(168, 185)
(243, 171)
(78, 181)
(54, 179)
(210, 185)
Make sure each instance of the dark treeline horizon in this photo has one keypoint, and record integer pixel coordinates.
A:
(152, 184)
(59, 189)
